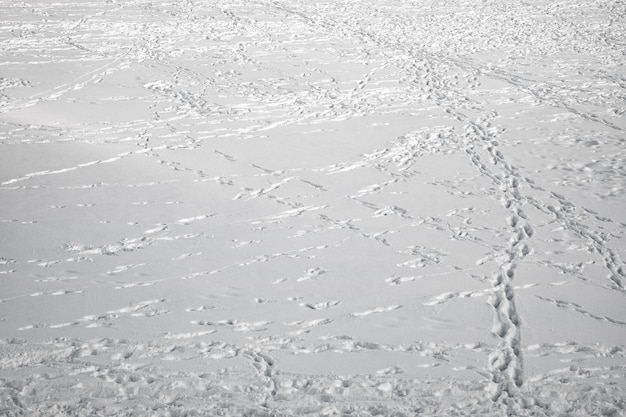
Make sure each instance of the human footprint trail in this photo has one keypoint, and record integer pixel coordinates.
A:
(505, 363)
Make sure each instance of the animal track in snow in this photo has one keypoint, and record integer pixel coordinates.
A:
(425, 257)
(201, 308)
(376, 310)
(399, 280)
(235, 325)
(134, 284)
(568, 305)
(392, 210)
(313, 273)
(124, 268)
(186, 255)
(73, 168)
(141, 309)
(189, 335)
(598, 240)
(320, 306)
(449, 296)
(67, 292)
(188, 220)
(314, 323)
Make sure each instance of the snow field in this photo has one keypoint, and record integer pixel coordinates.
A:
(289, 208)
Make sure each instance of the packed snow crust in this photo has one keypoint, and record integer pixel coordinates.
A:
(312, 208)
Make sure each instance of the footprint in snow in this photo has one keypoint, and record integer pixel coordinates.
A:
(320, 306)
(376, 311)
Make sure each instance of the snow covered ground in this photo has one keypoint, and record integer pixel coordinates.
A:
(312, 208)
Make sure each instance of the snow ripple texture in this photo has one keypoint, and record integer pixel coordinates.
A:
(312, 208)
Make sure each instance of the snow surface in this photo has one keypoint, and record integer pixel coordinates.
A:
(312, 208)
